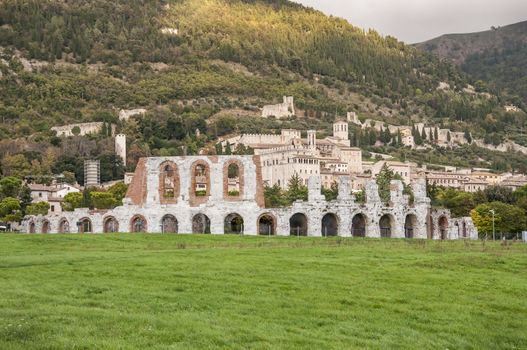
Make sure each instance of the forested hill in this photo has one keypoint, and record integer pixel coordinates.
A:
(498, 56)
(210, 65)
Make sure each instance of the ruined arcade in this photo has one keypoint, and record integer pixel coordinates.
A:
(225, 195)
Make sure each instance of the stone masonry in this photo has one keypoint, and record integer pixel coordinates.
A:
(200, 203)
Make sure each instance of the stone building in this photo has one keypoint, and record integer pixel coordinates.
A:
(288, 154)
(224, 195)
(282, 110)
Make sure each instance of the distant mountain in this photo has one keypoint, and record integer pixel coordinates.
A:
(497, 56)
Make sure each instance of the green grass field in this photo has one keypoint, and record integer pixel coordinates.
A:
(181, 292)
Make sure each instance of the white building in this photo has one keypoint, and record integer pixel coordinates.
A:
(53, 194)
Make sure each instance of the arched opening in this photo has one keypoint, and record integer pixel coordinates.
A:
(84, 225)
(330, 225)
(32, 227)
(64, 226)
(169, 224)
(233, 224)
(298, 225)
(45, 226)
(201, 188)
(201, 224)
(168, 183)
(138, 224)
(358, 226)
(266, 225)
(443, 227)
(410, 225)
(464, 230)
(233, 180)
(111, 225)
(386, 226)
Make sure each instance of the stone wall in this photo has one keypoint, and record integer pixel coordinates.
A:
(144, 209)
(85, 129)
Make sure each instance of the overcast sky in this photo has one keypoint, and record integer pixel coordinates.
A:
(419, 20)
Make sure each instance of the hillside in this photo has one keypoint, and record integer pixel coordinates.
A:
(497, 56)
(191, 63)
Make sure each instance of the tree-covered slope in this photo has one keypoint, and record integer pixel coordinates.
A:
(200, 64)
(497, 56)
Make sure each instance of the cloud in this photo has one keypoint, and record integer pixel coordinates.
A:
(419, 20)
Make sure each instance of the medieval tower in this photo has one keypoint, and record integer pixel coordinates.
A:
(120, 147)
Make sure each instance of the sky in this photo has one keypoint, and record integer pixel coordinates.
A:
(418, 20)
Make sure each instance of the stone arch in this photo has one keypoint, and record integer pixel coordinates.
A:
(442, 223)
(200, 183)
(169, 224)
(85, 225)
(266, 225)
(358, 225)
(169, 183)
(464, 229)
(233, 180)
(298, 225)
(330, 225)
(410, 226)
(201, 224)
(386, 225)
(64, 226)
(233, 224)
(32, 227)
(138, 224)
(110, 225)
(46, 226)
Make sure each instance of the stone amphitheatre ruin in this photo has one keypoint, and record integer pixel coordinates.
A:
(225, 194)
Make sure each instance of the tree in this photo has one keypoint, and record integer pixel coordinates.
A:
(69, 177)
(16, 165)
(10, 210)
(228, 150)
(460, 203)
(112, 167)
(508, 219)
(296, 189)
(10, 187)
(40, 208)
(274, 197)
(384, 179)
(76, 130)
(86, 201)
(499, 194)
(72, 201)
(119, 191)
(103, 200)
(331, 193)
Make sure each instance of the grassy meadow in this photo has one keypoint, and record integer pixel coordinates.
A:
(202, 292)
